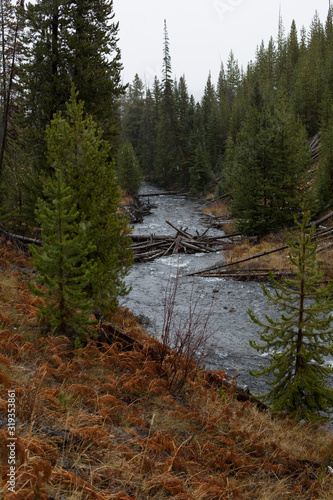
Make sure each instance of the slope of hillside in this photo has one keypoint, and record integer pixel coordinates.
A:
(107, 422)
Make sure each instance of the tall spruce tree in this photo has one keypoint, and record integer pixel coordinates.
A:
(61, 263)
(168, 154)
(132, 112)
(75, 141)
(301, 338)
(265, 166)
(68, 42)
(128, 169)
(10, 48)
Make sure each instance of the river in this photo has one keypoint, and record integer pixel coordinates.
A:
(231, 299)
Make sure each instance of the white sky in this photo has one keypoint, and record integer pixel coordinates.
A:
(202, 33)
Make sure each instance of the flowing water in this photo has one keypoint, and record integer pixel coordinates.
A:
(231, 299)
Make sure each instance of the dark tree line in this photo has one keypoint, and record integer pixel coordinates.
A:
(249, 134)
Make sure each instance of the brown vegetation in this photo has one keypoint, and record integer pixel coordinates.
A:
(103, 422)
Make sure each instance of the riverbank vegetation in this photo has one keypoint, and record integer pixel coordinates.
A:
(101, 414)
(103, 421)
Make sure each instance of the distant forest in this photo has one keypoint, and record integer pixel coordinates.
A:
(254, 135)
(261, 137)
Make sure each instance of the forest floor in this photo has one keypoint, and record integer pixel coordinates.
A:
(112, 422)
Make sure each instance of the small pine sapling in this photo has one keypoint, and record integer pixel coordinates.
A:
(62, 264)
(301, 338)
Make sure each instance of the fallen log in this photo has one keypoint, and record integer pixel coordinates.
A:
(228, 264)
(173, 193)
(180, 231)
(149, 247)
(17, 237)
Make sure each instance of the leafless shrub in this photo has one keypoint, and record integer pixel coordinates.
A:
(186, 336)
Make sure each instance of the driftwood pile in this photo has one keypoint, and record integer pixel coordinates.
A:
(150, 247)
(138, 210)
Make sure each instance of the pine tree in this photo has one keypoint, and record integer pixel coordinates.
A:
(132, 112)
(128, 169)
(61, 263)
(265, 168)
(75, 141)
(168, 155)
(10, 35)
(200, 171)
(70, 43)
(301, 337)
(324, 176)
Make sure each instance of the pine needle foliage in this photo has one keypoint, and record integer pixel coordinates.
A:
(128, 169)
(62, 263)
(75, 143)
(301, 338)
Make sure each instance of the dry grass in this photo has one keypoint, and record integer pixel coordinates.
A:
(126, 199)
(101, 423)
(278, 260)
(219, 208)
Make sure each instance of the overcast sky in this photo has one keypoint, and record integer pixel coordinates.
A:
(202, 33)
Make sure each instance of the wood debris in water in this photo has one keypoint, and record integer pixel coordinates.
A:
(149, 247)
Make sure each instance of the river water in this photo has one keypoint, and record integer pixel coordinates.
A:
(231, 299)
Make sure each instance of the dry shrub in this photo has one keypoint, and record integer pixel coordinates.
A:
(83, 393)
(9, 348)
(186, 338)
(161, 442)
(5, 334)
(33, 476)
(27, 351)
(134, 385)
(158, 386)
(107, 400)
(120, 496)
(4, 380)
(28, 403)
(45, 371)
(94, 436)
(212, 489)
(109, 388)
(56, 360)
(27, 494)
(4, 450)
(5, 320)
(69, 483)
(42, 450)
(166, 483)
(81, 420)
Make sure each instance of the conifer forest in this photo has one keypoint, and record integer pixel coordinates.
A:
(93, 404)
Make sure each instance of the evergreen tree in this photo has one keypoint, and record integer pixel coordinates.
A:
(233, 76)
(301, 337)
(75, 141)
(69, 42)
(133, 109)
(62, 263)
(200, 171)
(185, 115)
(168, 155)
(147, 135)
(128, 169)
(265, 168)
(324, 176)
(10, 35)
